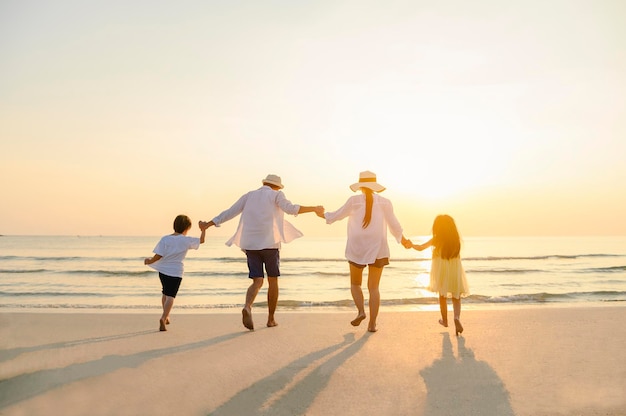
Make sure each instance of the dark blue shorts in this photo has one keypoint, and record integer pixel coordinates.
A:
(170, 284)
(269, 257)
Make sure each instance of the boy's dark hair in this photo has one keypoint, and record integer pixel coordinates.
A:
(182, 223)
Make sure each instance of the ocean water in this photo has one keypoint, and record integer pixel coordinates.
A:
(69, 273)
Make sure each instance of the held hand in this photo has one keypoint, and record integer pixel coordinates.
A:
(319, 211)
(407, 243)
(203, 225)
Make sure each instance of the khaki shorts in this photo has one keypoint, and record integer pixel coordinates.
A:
(378, 263)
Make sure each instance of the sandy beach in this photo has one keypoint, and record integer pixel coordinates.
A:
(531, 361)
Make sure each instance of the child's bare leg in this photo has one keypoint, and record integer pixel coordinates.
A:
(168, 303)
(456, 304)
(443, 308)
(163, 298)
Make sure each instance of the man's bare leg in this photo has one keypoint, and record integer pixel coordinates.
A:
(253, 290)
(272, 300)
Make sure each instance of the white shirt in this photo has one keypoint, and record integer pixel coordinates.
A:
(262, 224)
(173, 249)
(365, 245)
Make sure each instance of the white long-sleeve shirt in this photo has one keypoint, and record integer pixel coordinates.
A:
(262, 224)
(365, 245)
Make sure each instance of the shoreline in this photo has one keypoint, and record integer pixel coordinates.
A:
(315, 309)
(523, 361)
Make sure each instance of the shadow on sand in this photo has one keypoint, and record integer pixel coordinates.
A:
(463, 386)
(7, 355)
(26, 386)
(291, 390)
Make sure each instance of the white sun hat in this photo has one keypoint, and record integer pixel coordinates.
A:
(367, 179)
(273, 180)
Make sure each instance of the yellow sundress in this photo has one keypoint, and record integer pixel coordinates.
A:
(447, 277)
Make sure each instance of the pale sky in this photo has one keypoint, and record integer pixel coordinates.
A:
(115, 116)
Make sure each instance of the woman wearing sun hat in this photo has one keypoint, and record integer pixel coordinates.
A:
(369, 217)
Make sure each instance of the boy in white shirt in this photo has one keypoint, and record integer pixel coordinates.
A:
(168, 258)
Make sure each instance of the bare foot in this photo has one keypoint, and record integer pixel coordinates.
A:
(271, 323)
(372, 328)
(167, 321)
(458, 327)
(443, 323)
(162, 325)
(357, 320)
(247, 319)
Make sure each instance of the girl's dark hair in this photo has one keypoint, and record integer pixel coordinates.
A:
(182, 223)
(369, 202)
(446, 237)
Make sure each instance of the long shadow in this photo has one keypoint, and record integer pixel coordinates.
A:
(297, 399)
(25, 386)
(6, 355)
(464, 386)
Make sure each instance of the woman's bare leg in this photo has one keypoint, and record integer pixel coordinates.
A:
(356, 279)
(373, 282)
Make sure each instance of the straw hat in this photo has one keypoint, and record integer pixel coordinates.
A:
(367, 179)
(273, 180)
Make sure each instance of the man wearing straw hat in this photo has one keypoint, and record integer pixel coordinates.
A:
(261, 230)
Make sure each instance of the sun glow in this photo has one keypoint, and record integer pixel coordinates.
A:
(449, 165)
(432, 143)
(423, 279)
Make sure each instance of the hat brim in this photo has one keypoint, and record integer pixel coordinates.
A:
(279, 185)
(374, 186)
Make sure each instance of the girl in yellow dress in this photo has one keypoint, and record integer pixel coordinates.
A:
(447, 276)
